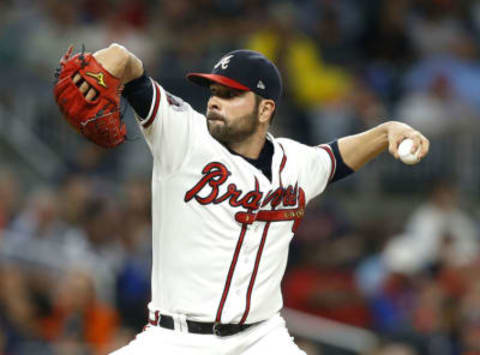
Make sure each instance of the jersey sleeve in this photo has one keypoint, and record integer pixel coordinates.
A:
(316, 167)
(167, 127)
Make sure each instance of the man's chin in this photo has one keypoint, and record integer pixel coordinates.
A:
(216, 132)
(215, 123)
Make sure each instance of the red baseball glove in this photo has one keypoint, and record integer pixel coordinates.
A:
(99, 118)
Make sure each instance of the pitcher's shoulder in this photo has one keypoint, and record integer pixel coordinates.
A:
(290, 144)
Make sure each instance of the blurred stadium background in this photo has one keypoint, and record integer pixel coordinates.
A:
(386, 262)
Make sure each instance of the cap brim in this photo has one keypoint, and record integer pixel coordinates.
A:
(206, 79)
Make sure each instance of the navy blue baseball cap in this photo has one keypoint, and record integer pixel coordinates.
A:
(244, 70)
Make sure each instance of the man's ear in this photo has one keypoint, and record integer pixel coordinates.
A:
(266, 109)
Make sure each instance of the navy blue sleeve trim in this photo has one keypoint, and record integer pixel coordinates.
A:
(342, 170)
(139, 94)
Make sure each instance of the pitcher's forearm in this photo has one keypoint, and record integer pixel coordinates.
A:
(120, 62)
(358, 149)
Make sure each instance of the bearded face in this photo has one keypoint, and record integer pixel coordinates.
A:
(232, 130)
(232, 115)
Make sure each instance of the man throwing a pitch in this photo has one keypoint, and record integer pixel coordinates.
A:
(227, 195)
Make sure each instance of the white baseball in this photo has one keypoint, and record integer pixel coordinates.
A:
(404, 151)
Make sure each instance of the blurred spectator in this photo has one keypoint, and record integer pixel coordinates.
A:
(40, 238)
(40, 218)
(432, 317)
(102, 223)
(427, 273)
(359, 112)
(133, 280)
(18, 314)
(308, 79)
(55, 24)
(459, 68)
(58, 24)
(436, 27)
(78, 317)
(437, 231)
(315, 90)
(388, 48)
(334, 26)
(435, 111)
(75, 193)
(385, 38)
(93, 161)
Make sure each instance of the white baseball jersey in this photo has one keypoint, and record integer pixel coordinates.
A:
(221, 228)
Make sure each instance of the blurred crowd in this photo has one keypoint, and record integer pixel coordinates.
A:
(346, 64)
(416, 283)
(74, 265)
(75, 249)
(75, 269)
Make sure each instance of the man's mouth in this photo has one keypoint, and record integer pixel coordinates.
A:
(214, 117)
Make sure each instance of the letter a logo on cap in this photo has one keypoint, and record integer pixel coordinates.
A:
(223, 62)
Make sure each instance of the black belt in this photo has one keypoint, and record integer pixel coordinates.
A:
(216, 328)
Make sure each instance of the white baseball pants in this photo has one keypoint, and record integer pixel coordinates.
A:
(268, 337)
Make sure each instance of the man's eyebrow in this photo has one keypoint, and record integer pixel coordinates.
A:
(224, 90)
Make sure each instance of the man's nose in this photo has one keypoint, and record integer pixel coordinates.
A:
(213, 103)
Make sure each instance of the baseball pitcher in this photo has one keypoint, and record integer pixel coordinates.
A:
(227, 195)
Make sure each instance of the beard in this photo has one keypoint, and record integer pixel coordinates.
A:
(232, 132)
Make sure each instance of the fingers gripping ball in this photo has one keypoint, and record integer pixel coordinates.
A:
(405, 152)
(89, 98)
